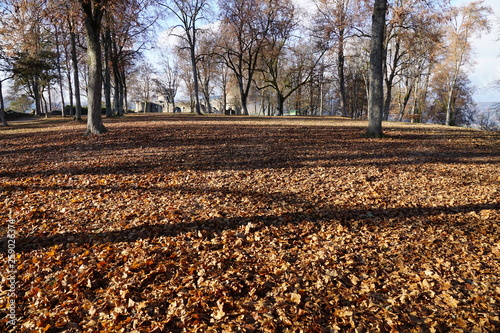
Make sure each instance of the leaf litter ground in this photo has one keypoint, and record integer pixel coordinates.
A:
(247, 224)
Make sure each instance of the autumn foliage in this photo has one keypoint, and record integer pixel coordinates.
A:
(219, 224)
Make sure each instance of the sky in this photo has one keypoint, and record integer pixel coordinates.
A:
(486, 56)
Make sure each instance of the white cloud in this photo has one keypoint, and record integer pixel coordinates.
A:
(168, 38)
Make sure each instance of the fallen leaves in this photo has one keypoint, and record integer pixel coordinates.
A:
(252, 225)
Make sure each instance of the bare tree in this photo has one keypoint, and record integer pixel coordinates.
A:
(144, 85)
(189, 13)
(339, 21)
(244, 26)
(207, 64)
(466, 22)
(167, 83)
(73, 25)
(287, 67)
(4, 64)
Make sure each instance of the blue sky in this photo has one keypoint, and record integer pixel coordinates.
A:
(487, 56)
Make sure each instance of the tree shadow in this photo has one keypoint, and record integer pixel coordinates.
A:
(216, 225)
(206, 146)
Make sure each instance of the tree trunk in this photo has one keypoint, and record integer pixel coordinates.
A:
(36, 93)
(59, 72)
(376, 93)
(243, 96)
(125, 96)
(74, 60)
(44, 106)
(414, 109)
(404, 103)
(70, 92)
(298, 103)
(341, 65)
(281, 104)
(117, 90)
(94, 93)
(389, 80)
(107, 73)
(224, 98)
(450, 121)
(387, 100)
(196, 85)
(49, 109)
(206, 95)
(3, 118)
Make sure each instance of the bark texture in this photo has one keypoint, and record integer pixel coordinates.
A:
(376, 93)
(93, 17)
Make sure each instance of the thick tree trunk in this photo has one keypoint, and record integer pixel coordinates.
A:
(94, 94)
(376, 93)
(243, 96)
(280, 104)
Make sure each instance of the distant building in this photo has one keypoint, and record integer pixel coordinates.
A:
(148, 107)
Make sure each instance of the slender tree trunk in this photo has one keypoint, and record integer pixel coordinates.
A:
(387, 100)
(224, 98)
(70, 92)
(36, 93)
(224, 80)
(45, 109)
(376, 92)
(3, 118)
(298, 104)
(74, 61)
(389, 79)
(49, 109)
(94, 93)
(450, 117)
(121, 95)
(404, 103)
(206, 94)
(196, 85)
(125, 97)
(116, 97)
(59, 72)
(107, 73)
(341, 71)
(450, 121)
(414, 108)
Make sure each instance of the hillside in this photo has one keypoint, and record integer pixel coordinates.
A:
(247, 224)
